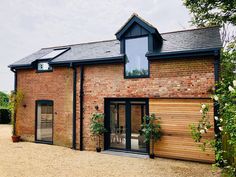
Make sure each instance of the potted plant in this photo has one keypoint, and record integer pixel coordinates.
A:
(151, 129)
(16, 98)
(97, 128)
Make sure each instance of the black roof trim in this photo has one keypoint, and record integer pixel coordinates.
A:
(117, 59)
(135, 18)
(20, 67)
(179, 54)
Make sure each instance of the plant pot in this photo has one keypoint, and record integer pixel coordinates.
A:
(15, 138)
(98, 149)
(152, 156)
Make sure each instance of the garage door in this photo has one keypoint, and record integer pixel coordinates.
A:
(176, 115)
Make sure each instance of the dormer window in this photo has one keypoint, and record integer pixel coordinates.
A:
(136, 63)
(43, 66)
(138, 38)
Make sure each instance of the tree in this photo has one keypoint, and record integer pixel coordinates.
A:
(4, 100)
(221, 13)
(212, 12)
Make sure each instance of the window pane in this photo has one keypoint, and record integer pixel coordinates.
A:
(137, 137)
(117, 125)
(53, 54)
(44, 122)
(136, 62)
(43, 66)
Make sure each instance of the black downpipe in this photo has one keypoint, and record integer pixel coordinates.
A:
(81, 105)
(216, 104)
(74, 108)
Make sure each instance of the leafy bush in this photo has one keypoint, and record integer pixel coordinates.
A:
(97, 126)
(15, 100)
(151, 129)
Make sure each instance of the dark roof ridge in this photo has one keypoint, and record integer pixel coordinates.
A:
(83, 43)
(193, 29)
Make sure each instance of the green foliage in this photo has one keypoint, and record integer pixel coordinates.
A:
(136, 72)
(202, 128)
(226, 97)
(212, 12)
(97, 126)
(4, 100)
(151, 129)
(196, 135)
(15, 100)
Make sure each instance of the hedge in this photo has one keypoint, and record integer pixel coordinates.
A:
(5, 116)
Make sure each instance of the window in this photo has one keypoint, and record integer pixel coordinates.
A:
(54, 53)
(136, 63)
(44, 121)
(44, 66)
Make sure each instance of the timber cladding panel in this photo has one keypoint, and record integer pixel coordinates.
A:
(176, 141)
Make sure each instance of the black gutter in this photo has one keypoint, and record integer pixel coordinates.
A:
(180, 54)
(81, 105)
(74, 108)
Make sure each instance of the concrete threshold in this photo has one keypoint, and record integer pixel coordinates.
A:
(125, 154)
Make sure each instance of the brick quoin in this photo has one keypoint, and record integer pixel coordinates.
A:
(169, 78)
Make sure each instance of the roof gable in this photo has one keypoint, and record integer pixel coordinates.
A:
(136, 26)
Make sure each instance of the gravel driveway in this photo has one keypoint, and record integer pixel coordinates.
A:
(38, 160)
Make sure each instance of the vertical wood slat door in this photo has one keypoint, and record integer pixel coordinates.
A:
(176, 141)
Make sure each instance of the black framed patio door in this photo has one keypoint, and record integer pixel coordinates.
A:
(123, 119)
(44, 121)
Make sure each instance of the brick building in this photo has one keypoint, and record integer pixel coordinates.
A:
(141, 72)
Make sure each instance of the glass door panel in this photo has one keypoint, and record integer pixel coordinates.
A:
(44, 121)
(124, 120)
(117, 125)
(138, 110)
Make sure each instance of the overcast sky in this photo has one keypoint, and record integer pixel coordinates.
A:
(28, 25)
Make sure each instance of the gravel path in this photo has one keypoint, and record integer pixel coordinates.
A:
(38, 160)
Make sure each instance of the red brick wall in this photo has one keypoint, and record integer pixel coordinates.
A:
(56, 86)
(168, 78)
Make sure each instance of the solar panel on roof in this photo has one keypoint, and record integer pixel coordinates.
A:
(53, 54)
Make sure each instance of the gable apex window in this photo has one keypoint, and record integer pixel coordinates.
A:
(136, 63)
(43, 66)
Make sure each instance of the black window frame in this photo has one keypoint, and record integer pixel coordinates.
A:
(49, 102)
(128, 104)
(43, 71)
(123, 46)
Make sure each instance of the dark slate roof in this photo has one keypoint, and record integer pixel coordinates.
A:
(179, 41)
(195, 39)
